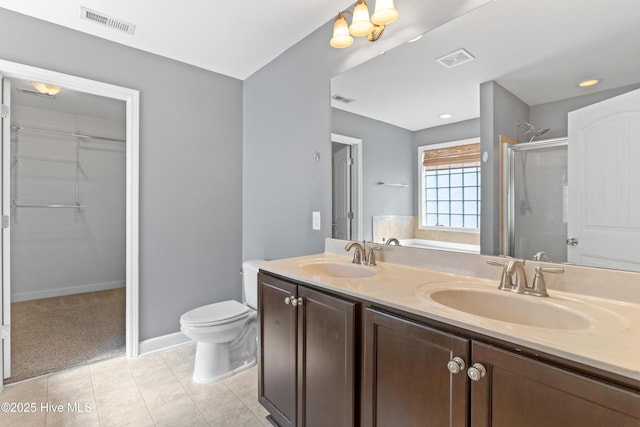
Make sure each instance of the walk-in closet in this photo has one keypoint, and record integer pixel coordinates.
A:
(67, 229)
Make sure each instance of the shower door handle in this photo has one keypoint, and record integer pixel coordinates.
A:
(572, 242)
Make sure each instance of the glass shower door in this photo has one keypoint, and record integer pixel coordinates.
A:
(536, 200)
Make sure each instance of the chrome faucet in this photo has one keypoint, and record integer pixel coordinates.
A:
(514, 278)
(393, 241)
(515, 268)
(360, 254)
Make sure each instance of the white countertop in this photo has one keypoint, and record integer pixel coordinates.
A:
(610, 342)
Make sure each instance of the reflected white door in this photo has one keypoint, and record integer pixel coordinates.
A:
(342, 212)
(604, 184)
(5, 167)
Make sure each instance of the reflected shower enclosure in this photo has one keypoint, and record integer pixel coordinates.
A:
(536, 194)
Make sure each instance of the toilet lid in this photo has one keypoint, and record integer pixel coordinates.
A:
(218, 313)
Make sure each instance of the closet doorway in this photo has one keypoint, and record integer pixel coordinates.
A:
(69, 211)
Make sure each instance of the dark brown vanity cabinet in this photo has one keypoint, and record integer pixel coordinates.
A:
(326, 362)
(519, 391)
(406, 380)
(412, 378)
(307, 355)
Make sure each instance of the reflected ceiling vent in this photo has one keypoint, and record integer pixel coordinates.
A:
(106, 20)
(341, 98)
(456, 58)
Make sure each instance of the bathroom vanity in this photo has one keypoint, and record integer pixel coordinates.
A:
(344, 344)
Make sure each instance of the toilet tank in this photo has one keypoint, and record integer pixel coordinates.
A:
(250, 283)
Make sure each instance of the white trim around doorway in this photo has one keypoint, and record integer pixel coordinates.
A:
(132, 99)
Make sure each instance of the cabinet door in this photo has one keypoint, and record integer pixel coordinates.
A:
(277, 384)
(326, 348)
(406, 379)
(518, 391)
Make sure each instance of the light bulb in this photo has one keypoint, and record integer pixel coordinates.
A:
(385, 13)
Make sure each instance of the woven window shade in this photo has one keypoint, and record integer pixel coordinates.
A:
(459, 156)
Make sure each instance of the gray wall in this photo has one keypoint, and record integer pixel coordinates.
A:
(387, 155)
(554, 114)
(500, 110)
(190, 163)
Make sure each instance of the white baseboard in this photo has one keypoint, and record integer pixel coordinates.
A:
(71, 290)
(162, 342)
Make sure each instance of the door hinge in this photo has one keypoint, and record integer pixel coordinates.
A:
(350, 161)
(5, 221)
(349, 215)
(5, 332)
(4, 111)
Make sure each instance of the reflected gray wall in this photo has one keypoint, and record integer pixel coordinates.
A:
(554, 114)
(387, 153)
(190, 163)
(500, 110)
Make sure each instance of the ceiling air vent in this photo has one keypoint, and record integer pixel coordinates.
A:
(456, 58)
(106, 20)
(342, 99)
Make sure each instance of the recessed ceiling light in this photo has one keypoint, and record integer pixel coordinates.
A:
(589, 82)
(415, 39)
(446, 115)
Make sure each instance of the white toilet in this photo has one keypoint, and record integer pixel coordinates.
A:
(226, 332)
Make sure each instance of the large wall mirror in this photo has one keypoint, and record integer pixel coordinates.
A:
(429, 91)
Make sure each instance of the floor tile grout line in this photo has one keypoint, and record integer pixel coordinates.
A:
(146, 405)
(185, 390)
(95, 397)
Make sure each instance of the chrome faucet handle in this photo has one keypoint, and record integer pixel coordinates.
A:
(506, 283)
(358, 254)
(539, 286)
(371, 257)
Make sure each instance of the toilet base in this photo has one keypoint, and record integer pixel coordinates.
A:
(212, 363)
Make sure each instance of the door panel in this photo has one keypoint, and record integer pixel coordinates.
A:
(277, 385)
(518, 391)
(326, 349)
(604, 198)
(5, 166)
(406, 379)
(342, 194)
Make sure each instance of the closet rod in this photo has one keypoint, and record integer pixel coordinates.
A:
(43, 205)
(60, 132)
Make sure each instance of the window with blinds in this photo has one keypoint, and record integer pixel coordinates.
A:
(450, 190)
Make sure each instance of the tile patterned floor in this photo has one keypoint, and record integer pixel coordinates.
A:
(154, 390)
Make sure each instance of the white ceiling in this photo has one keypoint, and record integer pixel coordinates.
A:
(235, 38)
(538, 50)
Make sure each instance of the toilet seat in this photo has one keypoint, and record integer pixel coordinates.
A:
(215, 314)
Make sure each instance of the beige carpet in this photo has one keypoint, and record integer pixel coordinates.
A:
(52, 334)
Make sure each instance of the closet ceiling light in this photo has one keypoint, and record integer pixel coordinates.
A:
(361, 24)
(46, 89)
(589, 82)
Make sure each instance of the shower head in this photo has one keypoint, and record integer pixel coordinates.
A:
(538, 133)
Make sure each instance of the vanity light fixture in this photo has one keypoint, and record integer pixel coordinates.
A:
(361, 25)
(46, 89)
(588, 82)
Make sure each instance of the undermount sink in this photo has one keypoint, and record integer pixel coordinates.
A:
(512, 308)
(338, 270)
